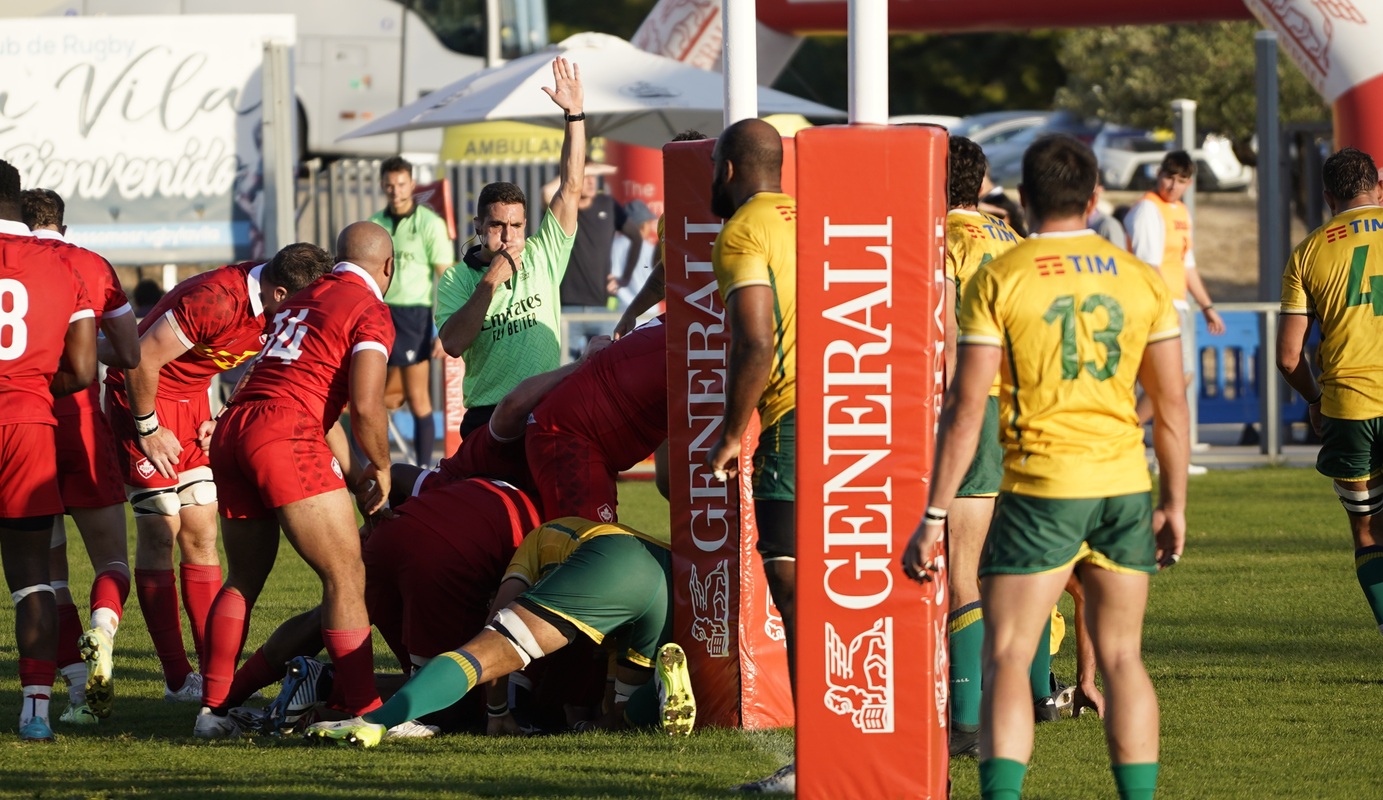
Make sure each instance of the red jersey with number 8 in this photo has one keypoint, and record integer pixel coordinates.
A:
(314, 337)
(40, 296)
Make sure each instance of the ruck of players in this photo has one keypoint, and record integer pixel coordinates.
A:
(510, 596)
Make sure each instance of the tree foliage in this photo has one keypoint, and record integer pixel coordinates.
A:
(1130, 75)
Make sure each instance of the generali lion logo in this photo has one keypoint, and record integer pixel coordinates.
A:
(859, 676)
(711, 606)
(144, 468)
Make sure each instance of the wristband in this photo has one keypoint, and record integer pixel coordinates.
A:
(498, 709)
(1210, 307)
(146, 425)
(575, 117)
(935, 516)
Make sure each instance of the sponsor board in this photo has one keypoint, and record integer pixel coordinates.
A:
(871, 650)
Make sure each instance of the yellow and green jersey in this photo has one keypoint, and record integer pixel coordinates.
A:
(758, 247)
(1073, 315)
(1336, 275)
(555, 541)
(974, 239)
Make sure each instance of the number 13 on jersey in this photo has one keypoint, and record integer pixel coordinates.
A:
(1063, 311)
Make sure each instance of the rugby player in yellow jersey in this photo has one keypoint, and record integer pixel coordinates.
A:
(571, 577)
(973, 239)
(1070, 322)
(755, 263)
(1336, 277)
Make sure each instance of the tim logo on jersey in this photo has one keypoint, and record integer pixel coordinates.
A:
(859, 676)
(1081, 264)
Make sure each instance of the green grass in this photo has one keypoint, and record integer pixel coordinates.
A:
(1264, 655)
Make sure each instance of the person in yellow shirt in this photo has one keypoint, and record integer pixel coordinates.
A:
(1074, 322)
(1335, 277)
(755, 263)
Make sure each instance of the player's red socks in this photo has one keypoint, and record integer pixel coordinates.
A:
(110, 590)
(36, 680)
(225, 635)
(352, 655)
(158, 599)
(69, 631)
(200, 583)
(253, 675)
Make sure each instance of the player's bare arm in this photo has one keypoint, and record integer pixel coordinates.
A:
(1196, 288)
(1161, 377)
(370, 421)
(511, 415)
(653, 292)
(750, 314)
(77, 369)
(160, 344)
(569, 96)
(957, 438)
(119, 344)
(1292, 332)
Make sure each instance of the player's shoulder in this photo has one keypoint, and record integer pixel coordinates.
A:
(766, 207)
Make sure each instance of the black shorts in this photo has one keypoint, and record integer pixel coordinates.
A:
(413, 335)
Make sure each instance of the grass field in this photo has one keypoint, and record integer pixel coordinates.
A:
(1265, 658)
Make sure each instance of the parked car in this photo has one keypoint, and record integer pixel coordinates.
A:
(1129, 158)
(1006, 155)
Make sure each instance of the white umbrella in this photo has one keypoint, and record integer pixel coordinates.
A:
(631, 95)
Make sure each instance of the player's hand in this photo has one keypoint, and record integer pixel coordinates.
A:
(438, 351)
(163, 451)
(1169, 528)
(917, 564)
(372, 493)
(724, 459)
(503, 726)
(627, 322)
(502, 269)
(611, 285)
(567, 92)
(1213, 322)
(1313, 412)
(1088, 696)
(594, 345)
(204, 432)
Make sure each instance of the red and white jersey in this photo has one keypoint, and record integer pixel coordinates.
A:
(315, 336)
(219, 316)
(41, 294)
(103, 287)
(617, 400)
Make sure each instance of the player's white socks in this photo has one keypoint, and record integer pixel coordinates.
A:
(107, 620)
(75, 675)
(35, 704)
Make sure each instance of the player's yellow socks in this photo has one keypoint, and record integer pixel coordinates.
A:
(436, 686)
(1041, 672)
(1001, 779)
(967, 640)
(1368, 565)
(1135, 781)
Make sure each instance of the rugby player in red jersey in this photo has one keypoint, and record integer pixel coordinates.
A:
(608, 416)
(89, 480)
(206, 325)
(274, 467)
(47, 350)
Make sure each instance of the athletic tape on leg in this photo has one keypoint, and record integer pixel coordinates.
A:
(28, 590)
(1365, 503)
(59, 537)
(509, 625)
(150, 502)
(623, 691)
(196, 488)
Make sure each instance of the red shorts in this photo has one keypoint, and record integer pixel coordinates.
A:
(572, 476)
(88, 467)
(267, 455)
(429, 580)
(181, 415)
(28, 471)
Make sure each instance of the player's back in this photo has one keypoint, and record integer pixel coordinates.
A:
(482, 455)
(1073, 314)
(40, 295)
(974, 239)
(219, 316)
(554, 542)
(108, 300)
(617, 399)
(1337, 275)
(315, 335)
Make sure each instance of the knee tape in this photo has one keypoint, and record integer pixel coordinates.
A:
(149, 502)
(508, 624)
(59, 537)
(28, 590)
(195, 487)
(623, 691)
(1365, 503)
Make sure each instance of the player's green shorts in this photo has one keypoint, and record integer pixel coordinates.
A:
(1351, 449)
(987, 470)
(775, 460)
(611, 584)
(1031, 535)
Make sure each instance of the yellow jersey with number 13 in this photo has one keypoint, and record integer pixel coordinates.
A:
(1073, 315)
(1336, 275)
